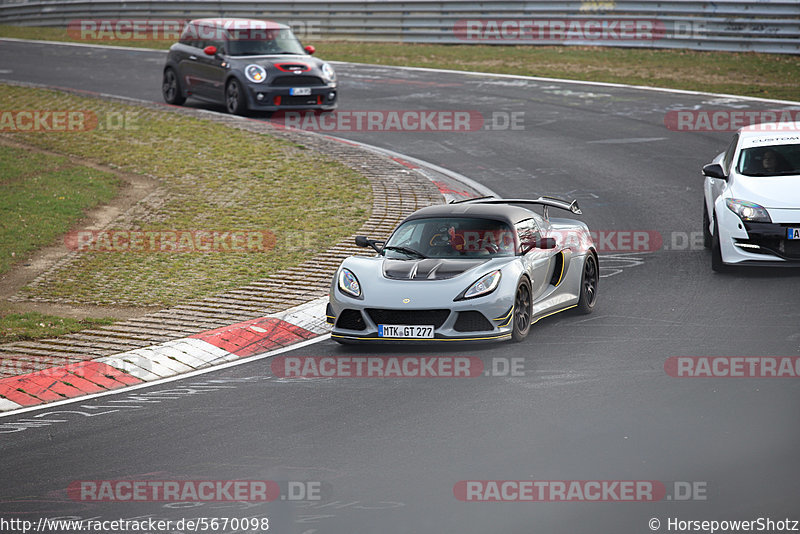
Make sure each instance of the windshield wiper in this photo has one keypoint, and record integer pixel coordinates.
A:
(406, 250)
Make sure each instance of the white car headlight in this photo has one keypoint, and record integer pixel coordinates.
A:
(348, 283)
(748, 211)
(485, 285)
(327, 72)
(255, 73)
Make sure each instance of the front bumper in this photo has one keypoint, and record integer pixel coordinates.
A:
(760, 244)
(354, 323)
(271, 98)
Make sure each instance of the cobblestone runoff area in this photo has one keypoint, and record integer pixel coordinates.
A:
(397, 190)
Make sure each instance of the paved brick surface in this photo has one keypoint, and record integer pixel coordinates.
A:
(397, 190)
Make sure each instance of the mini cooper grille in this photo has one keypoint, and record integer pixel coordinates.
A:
(299, 100)
(296, 81)
(472, 321)
(409, 317)
(351, 320)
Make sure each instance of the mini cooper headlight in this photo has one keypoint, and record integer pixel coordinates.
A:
(748, 211)
(255, 73)
(348, 283)
(327, 72)
(484, 286)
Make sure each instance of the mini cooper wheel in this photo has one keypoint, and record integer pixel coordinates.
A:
(522, 311)
(235, 98)
(171, 88)
(589, 279)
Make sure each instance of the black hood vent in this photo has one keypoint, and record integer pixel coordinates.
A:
(427, 269)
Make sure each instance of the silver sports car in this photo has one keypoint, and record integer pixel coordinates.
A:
(477, 270)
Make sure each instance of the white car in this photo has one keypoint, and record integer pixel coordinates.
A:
(751, 212)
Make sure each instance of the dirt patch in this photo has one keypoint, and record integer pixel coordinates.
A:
(133, 188)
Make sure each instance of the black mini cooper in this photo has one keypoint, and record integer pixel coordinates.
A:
(249, 65)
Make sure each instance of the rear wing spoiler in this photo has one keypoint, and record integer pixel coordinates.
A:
(546, 202)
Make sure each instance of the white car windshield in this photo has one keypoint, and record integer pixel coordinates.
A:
(775, 160)
(450, 237)
(262, 42)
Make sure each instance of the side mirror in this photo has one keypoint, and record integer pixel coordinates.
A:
(310, 49)
(210, 50)
(363, 241)
(714, 170)
(546, 243)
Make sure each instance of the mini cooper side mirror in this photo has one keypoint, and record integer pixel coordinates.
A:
(310, 49)
(210, 50)
(714, 170)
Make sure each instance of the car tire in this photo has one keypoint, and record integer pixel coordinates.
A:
(171, 88)
(706, 224)
(717, 264)
(235, 99)
(589, 281)
(521, 322)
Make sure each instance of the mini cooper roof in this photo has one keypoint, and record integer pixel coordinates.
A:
(240, 24)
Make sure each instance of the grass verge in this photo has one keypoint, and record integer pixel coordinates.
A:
(40, 196)
(748, 74)
(214, 178)
(34, 325)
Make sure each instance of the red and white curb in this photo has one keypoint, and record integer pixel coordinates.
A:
(167, 359)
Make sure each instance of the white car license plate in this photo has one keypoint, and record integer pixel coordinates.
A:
(793, 233)
(300, 91)
(405, 331)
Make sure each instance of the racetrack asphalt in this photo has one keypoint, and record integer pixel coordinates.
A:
(594, 401)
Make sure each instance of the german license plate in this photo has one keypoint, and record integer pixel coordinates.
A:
(793, 233)
(405, 331)
(300, 91)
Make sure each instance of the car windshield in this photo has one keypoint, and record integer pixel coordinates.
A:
(262, 42)
(450, 237)
(776, 160)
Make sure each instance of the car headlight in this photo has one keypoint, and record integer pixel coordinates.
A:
(485, 285)
(327, 72)
(748, 211)
(255, 73)
(348, 283)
